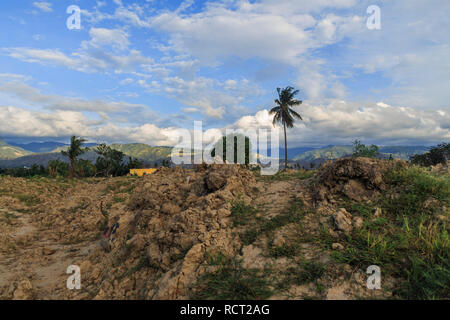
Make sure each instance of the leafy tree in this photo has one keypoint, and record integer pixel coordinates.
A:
(436, 155)
(110, 161)
(75, 150)
(231, 141)
(165, 163)
(85, 168)
(134, 163)
(58, 168)
(361, 150)
(283, 112)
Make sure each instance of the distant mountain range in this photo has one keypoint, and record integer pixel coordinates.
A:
(335, 152)
(14, 156)
(19, 155)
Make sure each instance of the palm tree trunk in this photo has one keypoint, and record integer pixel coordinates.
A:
(285, 147)
(72, 169)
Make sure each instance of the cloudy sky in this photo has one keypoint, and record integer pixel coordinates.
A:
(137, 71)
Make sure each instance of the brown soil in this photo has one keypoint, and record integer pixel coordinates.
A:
(168, 223)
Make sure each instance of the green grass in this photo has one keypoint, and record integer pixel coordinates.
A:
(285, 250)
(302, 273)
(241, 212)
(246, 215)
(407, 241)
(229, 280)
(27, 199)
(9, 216)
(300, 174)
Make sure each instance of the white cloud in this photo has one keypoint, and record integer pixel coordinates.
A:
(20, 122)
(341, 122)
(43, 6)
(114, 37)
(33, 96)
(84, 60)
(336, 123)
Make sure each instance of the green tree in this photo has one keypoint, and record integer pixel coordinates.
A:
(361, 150)
(284, 114)
(231, 141)
(75, 150)
(438, 154)
(58, 168)
(110, 161)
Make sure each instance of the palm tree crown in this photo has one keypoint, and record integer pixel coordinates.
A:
(283, 112)
(73, 152)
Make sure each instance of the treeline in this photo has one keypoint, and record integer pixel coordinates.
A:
(110, 162)
(436, 155)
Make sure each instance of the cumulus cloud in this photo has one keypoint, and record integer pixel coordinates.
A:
(20, 122)
(338, 122)
(341, 122)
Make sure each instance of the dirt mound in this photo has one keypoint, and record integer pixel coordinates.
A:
(357, 178)
(174, 218)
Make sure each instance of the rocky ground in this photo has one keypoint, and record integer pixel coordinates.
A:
(222, 232)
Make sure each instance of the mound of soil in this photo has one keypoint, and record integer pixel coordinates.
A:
(175, 217)
(358, 179)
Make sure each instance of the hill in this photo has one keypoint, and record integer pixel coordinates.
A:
(331, 152)
(336, 152)
(143, 151)
(41, 159)
(39, 147)
(11, 152)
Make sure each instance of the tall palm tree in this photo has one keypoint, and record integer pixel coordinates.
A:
(284, 114)
(75, 150)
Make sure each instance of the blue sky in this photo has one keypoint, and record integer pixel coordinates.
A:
(137, 71)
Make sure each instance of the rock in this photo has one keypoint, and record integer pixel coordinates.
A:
(343, 220)
(377, 213)
(279, 240)
(105, 245)
(137, 242)
(357, 222)
(355, 190)
(215, 181)
(48, 251)
(337, 246)
(170, 208)
(24, 291)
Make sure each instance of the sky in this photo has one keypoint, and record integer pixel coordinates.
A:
(139, 71)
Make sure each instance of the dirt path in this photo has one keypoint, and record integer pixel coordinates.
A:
(38, 258)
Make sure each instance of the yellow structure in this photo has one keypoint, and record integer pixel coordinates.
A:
(142, 172)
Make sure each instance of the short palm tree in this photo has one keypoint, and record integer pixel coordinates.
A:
(284, 114)
(75, 150)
